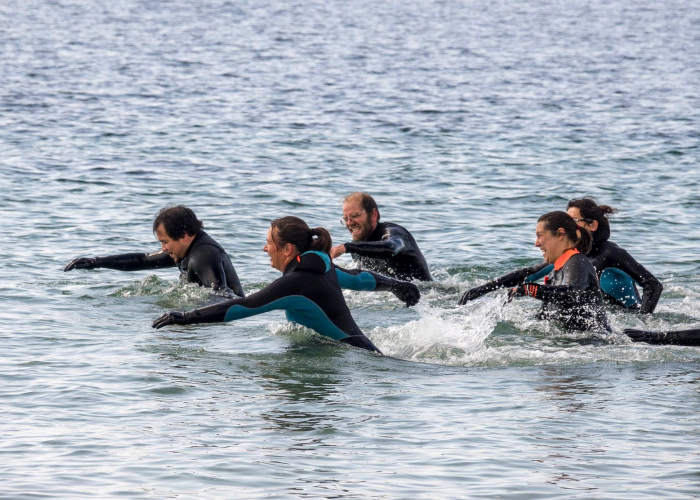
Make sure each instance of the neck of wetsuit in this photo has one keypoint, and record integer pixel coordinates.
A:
(375, 235)
(559, 263)
(189, 248)
(292, 265)
(601, 234)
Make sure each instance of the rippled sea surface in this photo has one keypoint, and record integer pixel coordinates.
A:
(466, 121)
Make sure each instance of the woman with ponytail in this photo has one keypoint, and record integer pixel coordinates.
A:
(571, 293)
(615, 267)
(308, 290)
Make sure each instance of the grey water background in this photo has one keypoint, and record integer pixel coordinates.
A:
(466, 121)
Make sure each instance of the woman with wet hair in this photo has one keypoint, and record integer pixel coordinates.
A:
(617, 270)
(308, 290)
(571, 294)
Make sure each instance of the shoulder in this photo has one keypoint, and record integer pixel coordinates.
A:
(578, 260)
(204, 253)
(313, 261)
(613, 251)
(391, 229)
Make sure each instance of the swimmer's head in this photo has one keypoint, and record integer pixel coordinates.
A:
(291, 236)
(360, 215)
(176, 227)
(557, 232)
(589, 214)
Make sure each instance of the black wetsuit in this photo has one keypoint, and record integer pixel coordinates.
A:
(391, 250)
(571, 294)
(308, 292)
(206, 263)
(605, 254)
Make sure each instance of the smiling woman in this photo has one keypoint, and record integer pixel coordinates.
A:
(308, 290)
(571, 294)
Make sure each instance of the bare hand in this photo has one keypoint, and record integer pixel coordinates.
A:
(81, 263)
(337, 251)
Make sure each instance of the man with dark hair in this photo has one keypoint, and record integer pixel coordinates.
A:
(184, 244)
(381, 247)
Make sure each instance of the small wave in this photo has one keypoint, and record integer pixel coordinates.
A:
(170, 294)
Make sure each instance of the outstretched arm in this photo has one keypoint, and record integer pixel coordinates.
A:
(509, 280)
(265, 300)
(123, 262)
(566, 294)
(355, 279)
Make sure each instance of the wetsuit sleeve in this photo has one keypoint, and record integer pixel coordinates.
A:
(567, 294)
(207, 264)
(135, 261)
(509, 280)
(356, 279)
(652, 287)
(393, 243)
(267, 299)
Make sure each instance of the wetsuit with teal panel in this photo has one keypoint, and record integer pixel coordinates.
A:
(618, 274)
(570, 295)
(309, 294)
(526, 274)
(367, 281)
(618, 271)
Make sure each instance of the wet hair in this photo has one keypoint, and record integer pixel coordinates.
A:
(367, 203)
(178, 221)
(590, 209)
(297, 232)
(582, 237)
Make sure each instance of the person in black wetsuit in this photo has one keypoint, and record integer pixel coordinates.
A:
(605, 254)
(571, 294)
(184, 244)
(308, 290)
(382, 247)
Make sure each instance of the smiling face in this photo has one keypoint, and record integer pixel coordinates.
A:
(358, 221)
(553, 245)
(279, 255)
(177, 249)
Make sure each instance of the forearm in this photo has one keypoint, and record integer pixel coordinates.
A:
(215, 313)
(135, 261)
(514, 278)
(652, 294)
(384, 249)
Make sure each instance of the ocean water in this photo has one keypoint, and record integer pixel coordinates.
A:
(466, 121)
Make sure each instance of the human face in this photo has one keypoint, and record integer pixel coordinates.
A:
(553, 245)
(279, 256)
(177, 249)
(575, 212)
(359, 222)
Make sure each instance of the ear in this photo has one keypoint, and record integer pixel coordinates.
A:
(375, 216)
(288, 249)
(561, 233)
(594, 225)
